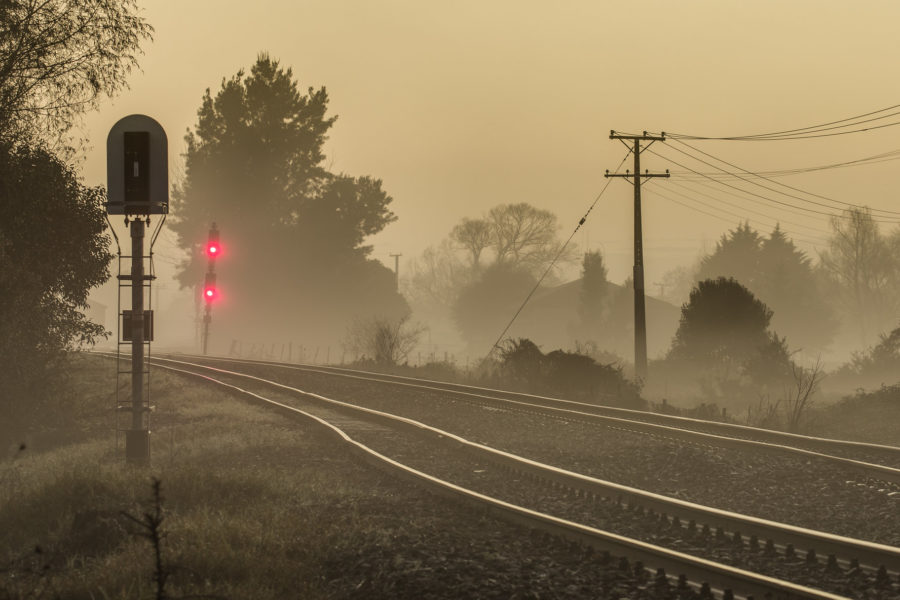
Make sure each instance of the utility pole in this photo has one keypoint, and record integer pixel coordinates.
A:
(397, 269)
(640, 316)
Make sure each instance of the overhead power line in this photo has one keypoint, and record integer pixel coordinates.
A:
(747, 179)
(767, 216)
(728, 219)
(840, 204)
(890, 155)
(812, 131)
(744, 196)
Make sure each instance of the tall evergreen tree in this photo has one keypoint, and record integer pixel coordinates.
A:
(736, 255)
(789, 284)
(780, 275)
(594, 300)
(294, 233)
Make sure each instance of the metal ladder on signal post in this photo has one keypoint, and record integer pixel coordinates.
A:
(123, 405)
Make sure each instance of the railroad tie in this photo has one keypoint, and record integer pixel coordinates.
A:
(660, 580)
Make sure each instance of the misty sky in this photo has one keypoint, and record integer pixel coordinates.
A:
(459, 106)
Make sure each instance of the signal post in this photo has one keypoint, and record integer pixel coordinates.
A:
(210, 291)
(137, 173)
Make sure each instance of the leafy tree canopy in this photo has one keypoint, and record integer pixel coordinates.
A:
(58, 57)
(53, 250)
(294, 231)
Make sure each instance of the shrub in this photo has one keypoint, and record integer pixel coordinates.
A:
(565, 374)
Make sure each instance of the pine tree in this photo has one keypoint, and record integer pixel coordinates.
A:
(593, 306)
(295, 232)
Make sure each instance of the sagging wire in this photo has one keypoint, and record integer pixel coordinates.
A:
(812, 131)
(840, 204)
(555, 258)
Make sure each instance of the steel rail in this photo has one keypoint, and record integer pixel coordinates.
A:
(721, 578)
(873, 470)
(871, 555)
(451, 386)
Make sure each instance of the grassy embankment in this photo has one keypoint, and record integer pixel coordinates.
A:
(256, 506)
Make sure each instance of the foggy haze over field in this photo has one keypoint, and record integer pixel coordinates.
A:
(404, 299)
(461, 108)
(466, 146)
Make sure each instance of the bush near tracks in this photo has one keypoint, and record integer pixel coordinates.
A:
(257, 506)
(869, 416)
(563, 374)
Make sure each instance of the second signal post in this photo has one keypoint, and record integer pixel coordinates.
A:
(210, 292)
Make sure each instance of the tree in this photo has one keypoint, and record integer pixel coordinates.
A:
(58, 57)
(800, 394)
(721, 323)
(593, 297)
(523, 236)
(780, 275)
(435, 279)
(53, 250)
(484, 306)
(789, 284)
(878, 365)
(723, 338)
(385, 341)
(677, 284)
(864, 270)
(514, 242)
(736, 255)
(254, 166)
(474, 235)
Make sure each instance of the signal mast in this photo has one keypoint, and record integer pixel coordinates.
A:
(210, 292)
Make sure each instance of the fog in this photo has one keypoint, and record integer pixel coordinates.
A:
(430, 250)
(461, 109)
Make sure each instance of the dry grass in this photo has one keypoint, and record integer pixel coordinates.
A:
(262, 510)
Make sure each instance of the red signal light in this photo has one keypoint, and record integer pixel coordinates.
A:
(213, 249)
(210, 293)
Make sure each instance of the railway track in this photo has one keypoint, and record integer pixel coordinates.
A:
(876, 461)
(753, 536)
